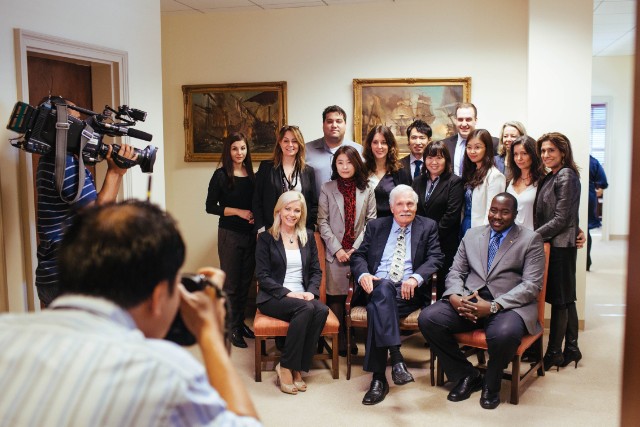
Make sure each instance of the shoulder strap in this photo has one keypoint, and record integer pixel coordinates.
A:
(62, 128)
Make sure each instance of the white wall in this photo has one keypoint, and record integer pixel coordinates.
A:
(128, 26)
(319, 51)
(613, 82)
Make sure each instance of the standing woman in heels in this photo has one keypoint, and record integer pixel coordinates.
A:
(482, 180)
(286, 171)
(380, 154)
(526, 173)
(289, 275)
(229, 196)
(346, 205)
(556, 219)
(441, 197)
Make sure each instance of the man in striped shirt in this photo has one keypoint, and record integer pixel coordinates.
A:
(96, 356)
(56, 211)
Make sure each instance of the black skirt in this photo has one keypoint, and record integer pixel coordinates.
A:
(561, 280)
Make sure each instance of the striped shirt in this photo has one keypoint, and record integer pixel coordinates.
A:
(54, 214)
(84, 363)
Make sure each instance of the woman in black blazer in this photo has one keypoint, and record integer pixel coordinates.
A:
(286, 171)
(289, 275)
(385, 172)
(441, 198)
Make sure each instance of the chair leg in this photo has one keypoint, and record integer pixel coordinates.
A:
(348, 347)
(482, 360)
(335, 361)
(539, 349)
(259, 343)
(439, 373)
(515, 380)
(432, 364)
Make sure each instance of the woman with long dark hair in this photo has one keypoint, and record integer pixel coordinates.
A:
(556, 219)
(229, 196)
(441, 197)
(289, 275)
(346, 204)
(482, 180)
(380, 154)
(526, 173)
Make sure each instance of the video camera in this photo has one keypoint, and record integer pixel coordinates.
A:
(39, 126)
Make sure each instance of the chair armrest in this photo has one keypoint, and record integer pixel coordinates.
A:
(434, 287)
(347, 304)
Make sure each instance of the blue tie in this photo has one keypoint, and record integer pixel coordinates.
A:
(494, 244)
(416, 173)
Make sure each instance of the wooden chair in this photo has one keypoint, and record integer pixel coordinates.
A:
(356, 317)
(476, 342)
(266, 327)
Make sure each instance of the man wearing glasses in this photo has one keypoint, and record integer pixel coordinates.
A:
(418, 136)
(320, 151)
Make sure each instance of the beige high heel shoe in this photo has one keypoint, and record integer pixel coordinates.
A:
(285, 388)
(300, 384)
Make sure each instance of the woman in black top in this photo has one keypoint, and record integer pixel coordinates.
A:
(441, 197)
(286, 171)
(380, 154)
(229, 196)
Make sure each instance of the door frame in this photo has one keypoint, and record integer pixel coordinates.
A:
(110, 85)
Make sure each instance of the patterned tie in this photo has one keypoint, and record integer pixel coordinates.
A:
(396, 273)
(416, 173)
(494, 244)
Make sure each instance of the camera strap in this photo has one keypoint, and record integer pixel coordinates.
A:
(62, 128)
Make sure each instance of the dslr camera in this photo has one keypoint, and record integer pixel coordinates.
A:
(39, 127)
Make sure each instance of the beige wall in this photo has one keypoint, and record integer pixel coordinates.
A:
(319, 51)
(128, 26)
(612, 83)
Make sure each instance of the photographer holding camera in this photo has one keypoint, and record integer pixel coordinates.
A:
(96, 357)
(56, 209)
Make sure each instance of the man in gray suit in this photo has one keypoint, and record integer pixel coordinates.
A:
(319, 152)
(493, 284)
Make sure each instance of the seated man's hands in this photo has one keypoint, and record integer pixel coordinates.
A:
(408, 287)
(366, 282)
(474, 310)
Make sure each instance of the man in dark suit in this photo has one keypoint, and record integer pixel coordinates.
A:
(418, 136)
(493, 284)
(396, 257)
(466, 120)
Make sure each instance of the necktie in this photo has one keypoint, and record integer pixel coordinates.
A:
(396, 273)
(494, 244)
(464, 152)
(416, 173)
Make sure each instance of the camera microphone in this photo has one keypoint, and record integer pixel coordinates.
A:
(116, 130)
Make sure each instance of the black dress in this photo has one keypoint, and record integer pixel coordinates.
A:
(388, 182)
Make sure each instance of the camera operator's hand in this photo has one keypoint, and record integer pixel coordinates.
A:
(126, 151)
(113, 178)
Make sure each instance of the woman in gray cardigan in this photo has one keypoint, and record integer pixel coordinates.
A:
(556, 219)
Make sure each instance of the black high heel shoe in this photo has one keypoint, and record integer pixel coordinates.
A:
(552, 359)
(571, 355)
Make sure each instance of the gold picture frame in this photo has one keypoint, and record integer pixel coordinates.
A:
(213, 111)
(398, 102)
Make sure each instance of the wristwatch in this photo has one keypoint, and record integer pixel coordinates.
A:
(493, 309)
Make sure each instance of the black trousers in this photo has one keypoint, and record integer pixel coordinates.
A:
(306, 320)
(504, 331)
(237, 253)
(384, 308)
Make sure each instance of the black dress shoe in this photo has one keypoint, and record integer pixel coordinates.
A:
(247, 332)
(237, 340)
(377, 392)
(400, 375)
(464, 388)
(489, 400)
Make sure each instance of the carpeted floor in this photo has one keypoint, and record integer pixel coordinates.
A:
(586, 396)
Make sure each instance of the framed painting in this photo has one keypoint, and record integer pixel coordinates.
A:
(396, 103)
(212, 112)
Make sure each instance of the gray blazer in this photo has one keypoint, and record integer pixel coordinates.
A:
(516, 274)
(556, 208)
(331, 216)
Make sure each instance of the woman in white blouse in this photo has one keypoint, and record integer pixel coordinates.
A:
(526, 172)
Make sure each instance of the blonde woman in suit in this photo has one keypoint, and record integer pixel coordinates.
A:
(482, 180)
(346, 204)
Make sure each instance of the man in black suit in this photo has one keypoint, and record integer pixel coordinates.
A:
(396, 257)
(418, 136)
(466, 120)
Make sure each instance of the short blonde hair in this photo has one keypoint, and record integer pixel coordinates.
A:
(286, 198)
